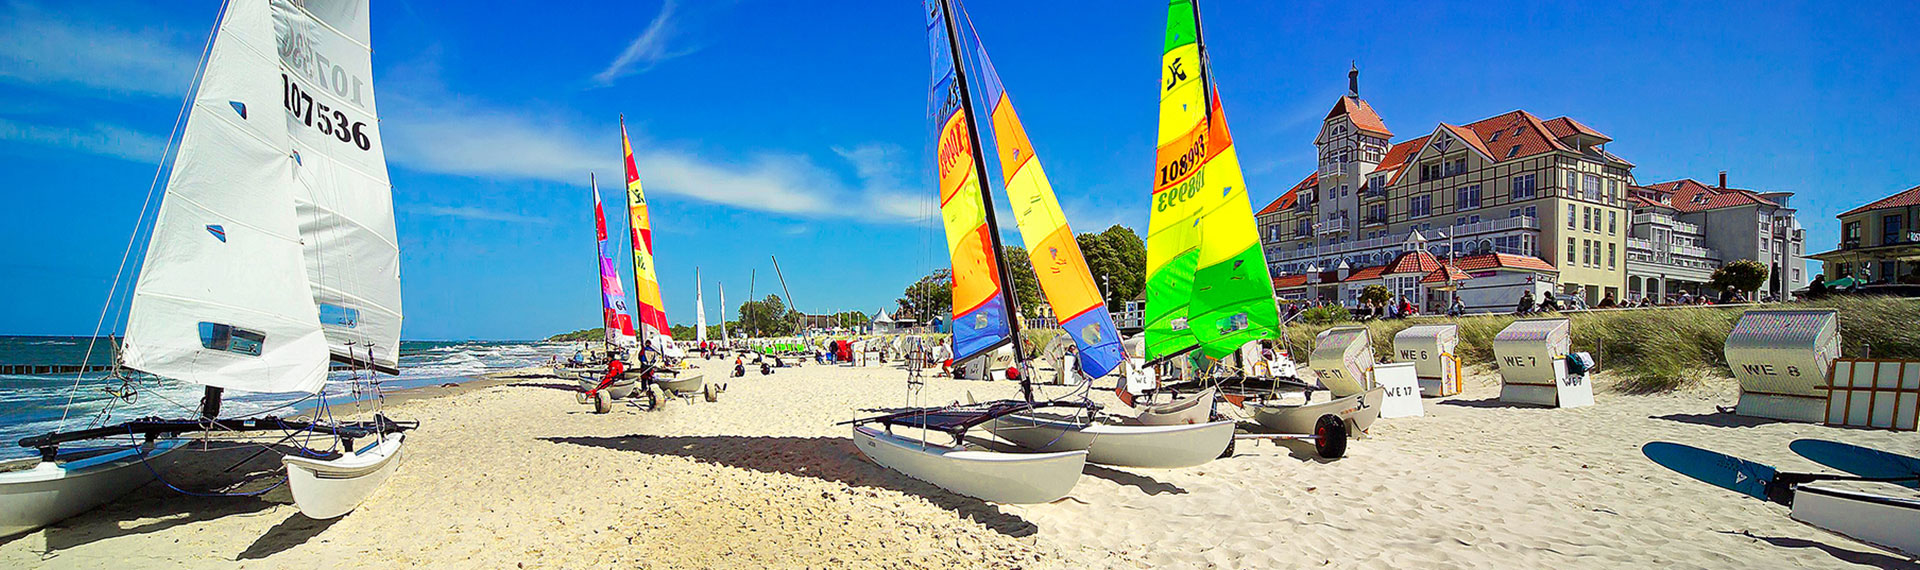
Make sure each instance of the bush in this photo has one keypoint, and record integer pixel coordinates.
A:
(1325, 315)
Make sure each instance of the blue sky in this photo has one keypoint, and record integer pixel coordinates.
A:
(797, 129)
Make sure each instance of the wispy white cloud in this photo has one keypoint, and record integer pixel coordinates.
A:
(475, 213)
(94, 138)
(453, 137)
(53, 50)
(646, 50)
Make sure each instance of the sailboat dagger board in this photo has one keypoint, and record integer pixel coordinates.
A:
(1865, 462)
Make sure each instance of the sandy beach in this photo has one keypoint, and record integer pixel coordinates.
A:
(510, 472)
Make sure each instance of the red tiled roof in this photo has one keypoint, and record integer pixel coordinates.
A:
(1908, 197)
(1507, 136)
(1689, 195)
(1565, 126)
(1413, 262)
(1368, 273)
(1471, 138)
(1502, 260)
(1397, 155)
(1292, 195)
(1362, 115)
(1290, 281)
(1447, 273)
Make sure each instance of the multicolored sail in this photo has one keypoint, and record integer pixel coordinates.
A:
(613, 298)
(1051, 246)
(646, 285)
(980, 312)
(1207, 280)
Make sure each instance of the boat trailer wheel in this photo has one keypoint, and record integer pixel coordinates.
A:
(713, 394)
(602, 402)
(1330, 437)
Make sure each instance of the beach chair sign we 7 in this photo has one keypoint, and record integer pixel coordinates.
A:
(1532, 355)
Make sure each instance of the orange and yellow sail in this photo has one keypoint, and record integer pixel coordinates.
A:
(980, 308)
(1207, 279)
(651, 313)
(1055, 254)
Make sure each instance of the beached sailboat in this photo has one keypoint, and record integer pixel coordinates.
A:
(983, 307)
(271, 255)
(659, 356)
(1070, 290)
(1207, 283)
(1867, 503)
(618, 326)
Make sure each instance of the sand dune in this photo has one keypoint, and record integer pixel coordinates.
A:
(512, 473)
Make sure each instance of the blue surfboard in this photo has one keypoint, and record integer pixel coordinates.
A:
(1862, 461)
(1717, 469)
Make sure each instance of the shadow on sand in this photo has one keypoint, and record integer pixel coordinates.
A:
(1719, 419)
(155, 507)
(1492, 403)
(825, 458)
(1873, 559)
(546, 385)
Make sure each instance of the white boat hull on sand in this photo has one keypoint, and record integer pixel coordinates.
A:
(48, 492)
(688, 384)
(1358, 411)
(620, 390)
(325, 489)
(1887, 522)
(1150, 446)
(1018, 478)
(1194, 409)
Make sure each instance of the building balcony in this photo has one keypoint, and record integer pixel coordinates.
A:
(1333, 226)
(1373, 220)
(1375, 193)
(1503, 224)
(1332, 168)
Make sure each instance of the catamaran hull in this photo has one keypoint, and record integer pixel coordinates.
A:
(1358, 410)
(49, 492)
(1194, 409)
(1887, 522)
(989, 476)
(620, 390)
(1149, 446)
(325, 489)
(687, 385)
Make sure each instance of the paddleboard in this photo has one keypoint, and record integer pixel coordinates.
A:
(1862, 461)
(1717, 469)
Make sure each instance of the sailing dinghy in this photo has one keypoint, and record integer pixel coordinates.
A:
(983, 309)
(271, 256)
(1069, 287)
(618, 326)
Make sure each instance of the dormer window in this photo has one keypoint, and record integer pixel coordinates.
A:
(1496, 136)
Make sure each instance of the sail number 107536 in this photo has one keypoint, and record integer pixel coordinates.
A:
(328, 121)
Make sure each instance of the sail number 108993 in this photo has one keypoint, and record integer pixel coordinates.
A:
(328, 121)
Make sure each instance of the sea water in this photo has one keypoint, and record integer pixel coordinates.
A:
(37, 404)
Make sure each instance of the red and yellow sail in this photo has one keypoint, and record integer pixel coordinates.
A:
(646, 284)
(980, 315)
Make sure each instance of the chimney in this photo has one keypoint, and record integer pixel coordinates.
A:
(1723, 180)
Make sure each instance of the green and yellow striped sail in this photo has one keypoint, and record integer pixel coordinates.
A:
(1207, 281)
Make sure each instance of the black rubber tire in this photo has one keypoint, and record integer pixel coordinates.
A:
(655, 399)
(602, 402)
(712, 393)
(1330, 437)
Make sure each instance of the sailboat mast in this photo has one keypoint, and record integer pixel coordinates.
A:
(593, 185)
(986, 196)
(787, 292)
(1206, 62)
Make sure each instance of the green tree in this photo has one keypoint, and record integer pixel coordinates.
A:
(930, 297)
(1026, 284)
(1375, 295)
(1743, 275)
(764, 318)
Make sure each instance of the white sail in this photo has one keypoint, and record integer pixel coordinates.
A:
(223, 297)
(342, 198)
(723, 310)
(699, 307)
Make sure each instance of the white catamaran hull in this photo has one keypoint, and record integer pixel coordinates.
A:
(619, 390)
(1194, 409)
(1887, 522)
(985, 475)
(1150, 446)
(1358, 411)
(682, 385)
(48, 492)
(325, 489)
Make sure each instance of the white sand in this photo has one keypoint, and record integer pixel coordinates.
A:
(518, 475)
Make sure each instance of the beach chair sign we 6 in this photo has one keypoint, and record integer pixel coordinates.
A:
(1781, 358)
(1532, 355)
(1431, 349)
